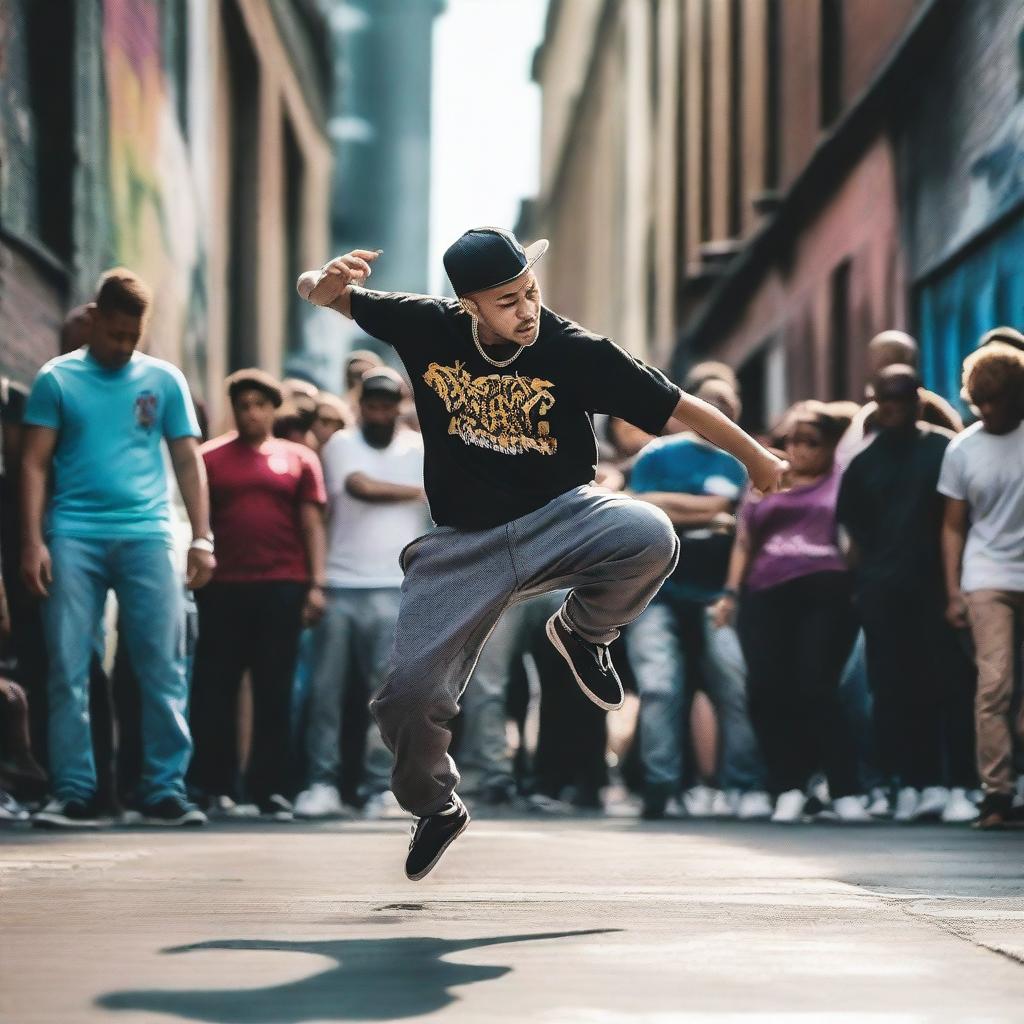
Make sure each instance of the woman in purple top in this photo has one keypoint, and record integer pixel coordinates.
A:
(797, 623)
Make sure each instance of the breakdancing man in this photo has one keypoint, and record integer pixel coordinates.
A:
(504, 390)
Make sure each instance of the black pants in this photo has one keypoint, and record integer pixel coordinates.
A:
(923, 684)
(796, 638)
(243, 626)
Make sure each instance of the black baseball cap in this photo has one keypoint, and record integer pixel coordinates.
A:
(382, 381)
(484, 258)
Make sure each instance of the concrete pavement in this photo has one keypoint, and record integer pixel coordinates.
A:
(611, 922)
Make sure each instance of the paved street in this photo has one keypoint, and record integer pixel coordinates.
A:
(526, 920)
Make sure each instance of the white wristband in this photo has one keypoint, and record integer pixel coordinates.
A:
(201, 544)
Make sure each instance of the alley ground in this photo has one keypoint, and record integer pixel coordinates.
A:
(547, 921)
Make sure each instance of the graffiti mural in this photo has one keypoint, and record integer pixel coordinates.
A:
(154, 206)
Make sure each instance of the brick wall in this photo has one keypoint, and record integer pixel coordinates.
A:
(31, 311)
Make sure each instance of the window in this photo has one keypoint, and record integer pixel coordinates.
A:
(294, 169)
(752, 378)
(50, 36)
(839, 332)
(244, 83)
(771, 95)
(653, 66)
(831, 59)
(736, 120)
(705, 122)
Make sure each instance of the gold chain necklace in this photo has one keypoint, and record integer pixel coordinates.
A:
(480, 348)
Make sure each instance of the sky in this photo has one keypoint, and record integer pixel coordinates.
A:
(485, 120)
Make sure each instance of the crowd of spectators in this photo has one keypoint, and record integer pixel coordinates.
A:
(846, 650)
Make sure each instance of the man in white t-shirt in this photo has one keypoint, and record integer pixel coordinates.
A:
(374, 478)
(982, 478)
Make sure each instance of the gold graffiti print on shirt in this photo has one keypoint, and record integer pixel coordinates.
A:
(504, 413)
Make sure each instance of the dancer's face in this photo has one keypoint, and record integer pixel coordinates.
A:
(511, 311)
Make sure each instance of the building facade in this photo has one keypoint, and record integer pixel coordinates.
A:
(771, 182)
(185, 140)
(382, 57)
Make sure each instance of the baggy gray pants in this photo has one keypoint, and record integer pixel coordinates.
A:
(613, 551)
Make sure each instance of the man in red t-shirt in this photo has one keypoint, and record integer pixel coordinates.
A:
(266, 510)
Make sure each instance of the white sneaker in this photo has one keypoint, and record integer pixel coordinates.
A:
(321, 800)
(383, 806)
(851, 810)
(933, 803)
(221, 807)
(907, 801)
(959, 807)
(756, 806)
(819, 789)
(244, 811)
(789, 807)
(699, 801)
(675, 809)
(723, 805)
(878, 804)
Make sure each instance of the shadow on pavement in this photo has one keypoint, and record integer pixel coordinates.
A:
(375, 979)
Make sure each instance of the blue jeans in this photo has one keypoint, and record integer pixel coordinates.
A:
(485, 760)
(664, 644)
(358, 621)
(142, 573)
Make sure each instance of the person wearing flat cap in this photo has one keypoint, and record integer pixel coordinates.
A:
(921, 677)
(505, 389)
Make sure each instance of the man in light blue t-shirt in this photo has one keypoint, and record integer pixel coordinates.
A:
(95, 423)
(698, 487)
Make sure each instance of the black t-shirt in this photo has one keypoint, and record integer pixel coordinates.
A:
(890, 506)
(501, 442)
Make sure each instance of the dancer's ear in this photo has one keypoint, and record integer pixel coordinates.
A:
(470, 307)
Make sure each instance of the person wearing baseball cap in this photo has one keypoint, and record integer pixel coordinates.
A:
(376, 506)
(505, 389)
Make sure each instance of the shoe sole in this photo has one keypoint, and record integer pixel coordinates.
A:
(549, 628)
(53, 822)
(187, 821)
(440, 853)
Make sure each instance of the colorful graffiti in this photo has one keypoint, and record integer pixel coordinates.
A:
(155, 208)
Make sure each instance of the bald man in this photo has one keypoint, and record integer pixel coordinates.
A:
(893, 348)
(922, 681)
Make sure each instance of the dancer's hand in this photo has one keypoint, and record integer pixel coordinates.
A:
(325, 286)
(766, 475)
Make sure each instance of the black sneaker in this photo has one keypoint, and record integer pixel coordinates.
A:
(277, 808)
(432, 835)
(70, 814)
(171, 810)
(996, 811)
(655, 802)
(591, 664)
